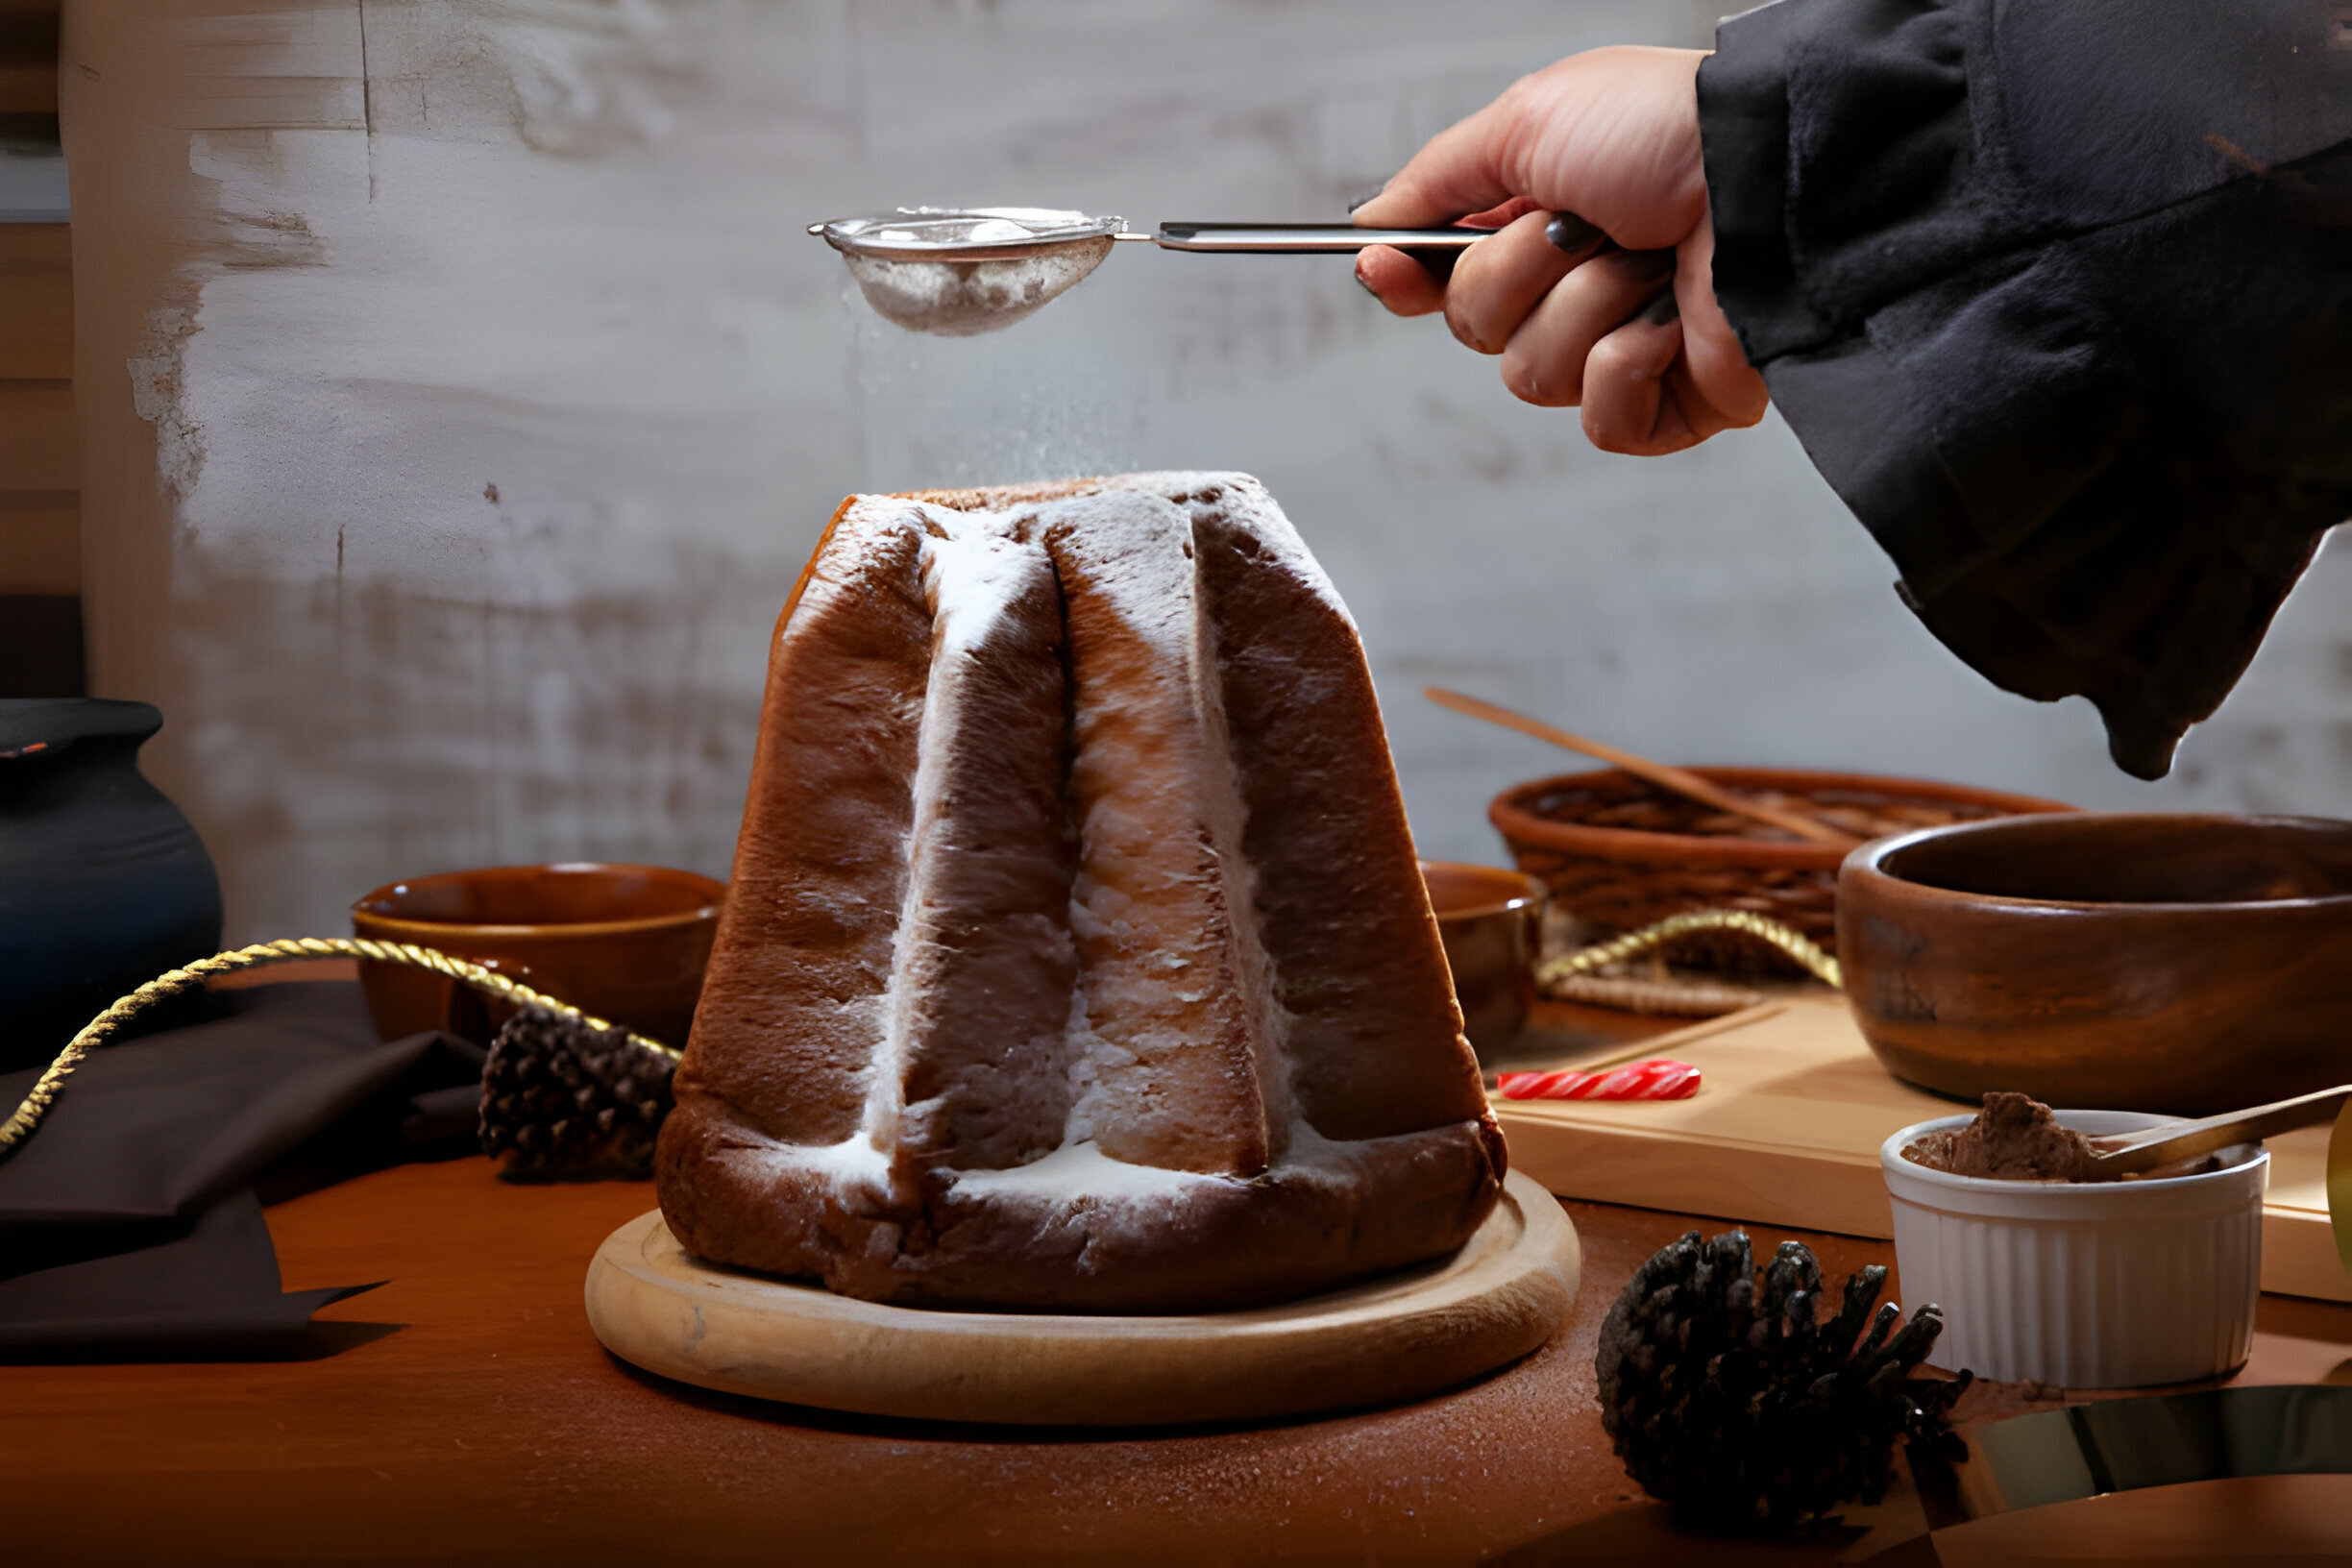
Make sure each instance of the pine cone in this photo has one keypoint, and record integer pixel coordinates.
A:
(1730, 1402)
(560, 1099)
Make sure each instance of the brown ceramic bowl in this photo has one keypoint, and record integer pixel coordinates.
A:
(1491, 922)
(623, 943)
(2173, 963)
(1619, 853)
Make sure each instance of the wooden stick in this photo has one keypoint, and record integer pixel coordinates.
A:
(1681, 781)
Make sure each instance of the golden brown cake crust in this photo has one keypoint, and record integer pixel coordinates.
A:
(1075, 957)
(807, 951)
(1226, 1245)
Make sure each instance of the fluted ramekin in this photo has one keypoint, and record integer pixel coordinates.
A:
(2110, 1285)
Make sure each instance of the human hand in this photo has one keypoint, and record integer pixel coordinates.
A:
(1629, 330)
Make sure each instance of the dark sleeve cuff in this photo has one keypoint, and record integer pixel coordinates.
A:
(2099, 434)
(1743, 119)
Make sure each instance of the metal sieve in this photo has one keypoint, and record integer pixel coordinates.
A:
(957, 271)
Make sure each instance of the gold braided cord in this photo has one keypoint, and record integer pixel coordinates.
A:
(19, 1126)
(27, 1115)
(1820, 964)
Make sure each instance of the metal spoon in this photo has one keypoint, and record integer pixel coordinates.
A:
(955, 272)
(2121, 1154)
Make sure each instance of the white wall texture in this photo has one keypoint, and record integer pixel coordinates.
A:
(461, 395)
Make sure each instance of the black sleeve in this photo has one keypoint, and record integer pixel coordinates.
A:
(2058, 296)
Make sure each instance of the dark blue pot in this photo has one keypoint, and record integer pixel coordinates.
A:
(103, 884)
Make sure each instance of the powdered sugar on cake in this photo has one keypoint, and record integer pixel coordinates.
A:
(974, 579)
(1154, 757)
(1105, 1061)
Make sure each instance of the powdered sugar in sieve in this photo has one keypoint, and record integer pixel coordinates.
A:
(955, 274)
(957, 271)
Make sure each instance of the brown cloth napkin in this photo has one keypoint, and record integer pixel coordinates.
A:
(131, 1220)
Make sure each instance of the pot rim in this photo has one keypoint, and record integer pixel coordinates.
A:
(1520, 825)
(1863, 864)
(48, 725)
(421, 931)
(1536, 894)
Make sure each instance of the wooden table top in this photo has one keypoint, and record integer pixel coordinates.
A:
(464, 1414)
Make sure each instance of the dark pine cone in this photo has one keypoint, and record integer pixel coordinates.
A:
(1730, 1402)
(561, 1099)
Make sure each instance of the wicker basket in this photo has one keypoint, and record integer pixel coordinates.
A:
(1618, 853)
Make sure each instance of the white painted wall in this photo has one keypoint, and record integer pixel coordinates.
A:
(461, 395)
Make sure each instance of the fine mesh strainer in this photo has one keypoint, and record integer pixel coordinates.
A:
(957, 271)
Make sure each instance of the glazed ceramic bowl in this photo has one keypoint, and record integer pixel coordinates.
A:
(2108, 1285)
(623, 943)
(2165, 963)
(104, 884)
(1492, 923)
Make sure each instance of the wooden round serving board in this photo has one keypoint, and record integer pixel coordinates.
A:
(1402, 1334)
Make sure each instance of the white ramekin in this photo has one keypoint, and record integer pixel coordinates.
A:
(2112, 1284)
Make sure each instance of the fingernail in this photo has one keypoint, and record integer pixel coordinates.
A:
(1367, 287)
(1663, 308)
(1369, 194)
(1649, 264)
(1569, 233)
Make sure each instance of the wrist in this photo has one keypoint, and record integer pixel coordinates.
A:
(1711, 347)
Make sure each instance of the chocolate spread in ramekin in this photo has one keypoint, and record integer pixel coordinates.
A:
(2015, 1138)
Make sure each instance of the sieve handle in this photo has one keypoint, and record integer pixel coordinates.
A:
(1304, 239)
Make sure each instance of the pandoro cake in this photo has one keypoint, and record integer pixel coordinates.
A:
(1076, 956)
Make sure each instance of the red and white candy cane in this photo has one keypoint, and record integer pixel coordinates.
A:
(1659, 1079)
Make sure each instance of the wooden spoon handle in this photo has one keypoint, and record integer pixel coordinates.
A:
(1677, 779)
(2126, 1152)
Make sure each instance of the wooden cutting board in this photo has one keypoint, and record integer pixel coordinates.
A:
(1785, 1130)
(1398, 1336)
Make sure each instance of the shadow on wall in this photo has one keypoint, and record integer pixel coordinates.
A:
(40, 645)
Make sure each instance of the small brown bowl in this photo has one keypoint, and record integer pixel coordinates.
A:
(1491, 922)
(2169, 963)
(628, 944)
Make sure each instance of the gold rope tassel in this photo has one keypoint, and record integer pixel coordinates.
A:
(1820, 964)
(19, 1126)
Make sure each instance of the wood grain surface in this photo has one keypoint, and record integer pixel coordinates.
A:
(1396, 1336)
(41, 541)
(2174, 961)
(1786, 1127)
(464, 1414)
